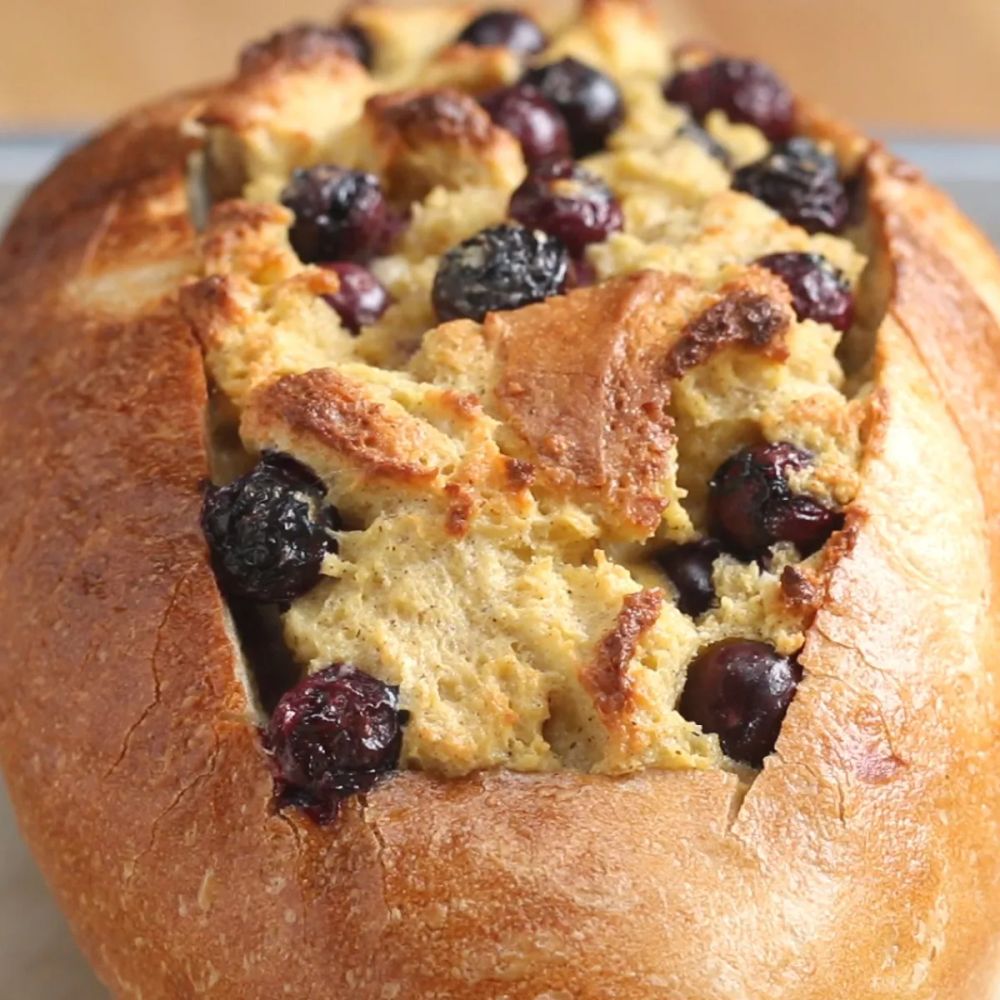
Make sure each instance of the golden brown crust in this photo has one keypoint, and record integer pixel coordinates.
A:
(252, 99)
(798, 589)
(607, 677)
(423, 138)
(744, 316)
(862, 862)
(415, 118)
(584, 380)
(232, 240)
(297, 45)
(327, 407)
(581, 382)
(460, 510)
(520, 474)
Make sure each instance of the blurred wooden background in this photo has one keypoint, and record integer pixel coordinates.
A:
(916, 64)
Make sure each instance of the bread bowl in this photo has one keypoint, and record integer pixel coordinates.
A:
(556, 827)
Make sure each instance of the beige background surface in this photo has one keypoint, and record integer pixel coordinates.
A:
(898, 63)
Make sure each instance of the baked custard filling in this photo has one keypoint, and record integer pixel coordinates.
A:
(530, 339)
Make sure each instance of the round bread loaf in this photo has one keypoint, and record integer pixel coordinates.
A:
(497, 509)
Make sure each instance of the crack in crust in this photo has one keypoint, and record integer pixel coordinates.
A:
(168, 613)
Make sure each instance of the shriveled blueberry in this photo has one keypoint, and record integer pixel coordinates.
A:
(268, 531)
(504, 267)
(508, 29)
(741, 690)
(589, 100)
(800, 182)
(361, 298)
(564, 200)
(708, 142)
(305, 40)
(752, 505)
(359, 41)
(339, 214)
(536, 122)
(689, 568)
(819, 291)
(333, 735)
(746, 91)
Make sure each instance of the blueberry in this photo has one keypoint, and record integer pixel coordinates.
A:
(589, 100)
(689, 568)
(339, 214)
(752, 506)
(534, 120)
(268, 531)
(333, 735)
(695, 133)
(819, 291)
(506, 29)
(359, 42)
(746, 91)
(564, 200)
(741, 690)
(504, 267)
(361, 298)
(800, 182)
